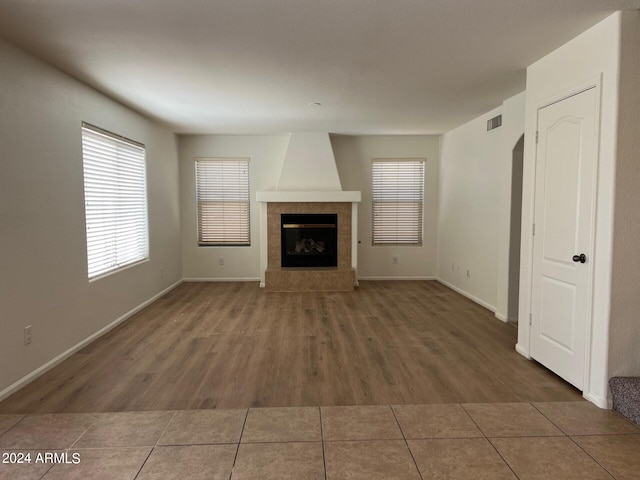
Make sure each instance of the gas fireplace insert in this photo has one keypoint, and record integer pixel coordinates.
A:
(309, 239)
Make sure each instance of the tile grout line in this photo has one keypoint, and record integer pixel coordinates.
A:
(24, 416)
(156, 444)
(552, 422)
(573, 441)
(484, 435)
(175, 413)
(617, 414)
(235, 457)
(393, 412)
(66, 450)
(591, 457)
(324, 458)
(95, 419)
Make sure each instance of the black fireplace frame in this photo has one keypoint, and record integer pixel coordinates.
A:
(306, 226)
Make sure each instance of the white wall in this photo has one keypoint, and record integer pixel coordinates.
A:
(309, 164)
(266, 155)
(624, 335)
(353, 158)
(474, 205)
(43, 270)
(584, 59)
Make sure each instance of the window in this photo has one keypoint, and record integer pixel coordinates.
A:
(222, 194)
(397, 190)
(115, 198)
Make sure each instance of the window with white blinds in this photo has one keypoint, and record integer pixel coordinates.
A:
(115, 197)
(222, 195)
(397, 190)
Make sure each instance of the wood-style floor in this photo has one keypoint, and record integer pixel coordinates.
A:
(233, 345)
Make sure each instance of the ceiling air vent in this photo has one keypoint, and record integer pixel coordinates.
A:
(494, 123)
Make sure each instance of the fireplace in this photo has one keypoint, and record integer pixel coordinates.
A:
(322, 214)
(309, 239)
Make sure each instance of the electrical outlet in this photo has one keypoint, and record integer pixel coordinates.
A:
(453, 267)
(468, 274)
(220, 260)
(394, 260)
(27, 335)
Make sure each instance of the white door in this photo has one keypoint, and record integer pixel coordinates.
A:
(564, 215)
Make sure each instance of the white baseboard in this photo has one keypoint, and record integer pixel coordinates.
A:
(377, 278)
(597, 400)
(227, 279)
(522, 351)
(11, 389)
(467, 294)
(501, 317)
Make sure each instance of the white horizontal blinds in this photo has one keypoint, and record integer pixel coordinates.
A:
(397, 201)
(222, 193)
(115, 196)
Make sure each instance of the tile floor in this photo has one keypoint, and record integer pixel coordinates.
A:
(563, 440)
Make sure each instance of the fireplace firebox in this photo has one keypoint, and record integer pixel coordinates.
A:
(309, 239)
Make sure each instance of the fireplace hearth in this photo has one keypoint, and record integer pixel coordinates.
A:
(309, 240)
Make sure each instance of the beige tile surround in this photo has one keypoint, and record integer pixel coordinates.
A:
(341, 278)
(450, 441)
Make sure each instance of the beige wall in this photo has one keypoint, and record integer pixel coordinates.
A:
(43, 271)
(513, 125)
(474, 205)
(266, 154)
(624, 335)
(353, 157)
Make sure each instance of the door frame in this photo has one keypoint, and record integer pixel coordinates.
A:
(596, 83)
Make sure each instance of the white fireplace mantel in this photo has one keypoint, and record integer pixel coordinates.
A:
(309, 196)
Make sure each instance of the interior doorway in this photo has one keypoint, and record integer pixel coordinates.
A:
(564, 215)
(515, 231)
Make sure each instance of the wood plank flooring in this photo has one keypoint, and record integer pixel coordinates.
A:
(233, 345)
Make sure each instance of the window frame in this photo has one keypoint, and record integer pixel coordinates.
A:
(105, 154)
(242, 185)
(403, 237)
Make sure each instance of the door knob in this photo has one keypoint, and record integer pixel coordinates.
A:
(580, 258)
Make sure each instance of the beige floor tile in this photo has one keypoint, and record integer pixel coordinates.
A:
(459, 459)
(47, 431)
(539, 458)
(33, 469)
(584, 418)
(8, 421)
(435, 421)
(291, 424)
(370, 460)
(191, 427)
(359, 423)
(125, 429)
(100, 464)
(619, 454)
(510, 420)
(193, 462)
(279, 461)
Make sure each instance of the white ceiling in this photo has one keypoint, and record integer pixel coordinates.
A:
(253, 66)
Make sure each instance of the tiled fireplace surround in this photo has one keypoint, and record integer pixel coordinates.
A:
(340, 278)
